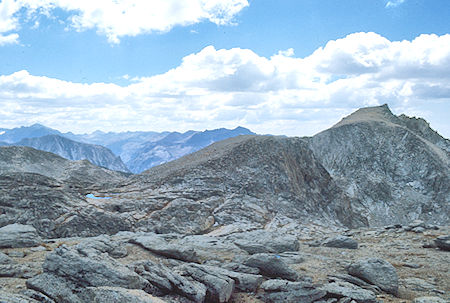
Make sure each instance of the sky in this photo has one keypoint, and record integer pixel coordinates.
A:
(286, 67)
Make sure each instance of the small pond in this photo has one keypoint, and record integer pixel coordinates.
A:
(95, 197)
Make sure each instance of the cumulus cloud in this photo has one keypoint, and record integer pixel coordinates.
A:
(282, 94)
(116, 19)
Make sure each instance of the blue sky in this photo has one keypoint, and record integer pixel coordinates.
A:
(289, 67)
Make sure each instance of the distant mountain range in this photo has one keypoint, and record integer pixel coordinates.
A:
(126, 151)
(73, 150)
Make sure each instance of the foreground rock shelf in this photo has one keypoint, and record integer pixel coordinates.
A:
(390, 264)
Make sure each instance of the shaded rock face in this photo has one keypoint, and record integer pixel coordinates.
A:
(73, 150)
(81, 174)
(247, 179)
(398, 168)
(18, 235)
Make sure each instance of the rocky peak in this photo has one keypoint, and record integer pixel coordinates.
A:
(395, 165)
(380, 113)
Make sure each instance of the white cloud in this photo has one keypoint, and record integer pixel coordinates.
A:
(282, 94)
(116, 19)
(9, 39)
(394, 3)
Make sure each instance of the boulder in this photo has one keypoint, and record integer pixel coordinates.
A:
(377, 272)
(54, 287)
(158, 245)
(348, 290)
(5, 259)
(108, 294)
(6, 297)
(104, 244)
(211, 248)
(40, 297)
(18, 235)
(341, 242)
(271, 266)
(443, 242)
(243, 281)
(219, 286)
(18, 270)
(282, 291)
(91, 268)
(262, 241)
(169, 281)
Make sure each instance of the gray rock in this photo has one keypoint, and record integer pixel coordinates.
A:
(17, 254)
(234, 266)
(91, 269)
(330, 300)
(57, 288)
(271, 266)
(341, 242)
(356, 281)
(282, 291)
(344, 289)
(252, 248)
(243, 281)
(429, 300)
(418, 230)
(262, 241)
(416, 224)
(211, 248)
(40, 297)
(417, 284)
(443, 242)
(169, 281)
(158, 245)
(18, 235)
(376, 271)
(18, 270)
(104, 244)
(5, 259)
(108, 294)
(219, 287)
(15, 298)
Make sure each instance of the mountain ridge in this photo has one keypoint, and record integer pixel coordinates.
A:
(72, 150)
(137, 150)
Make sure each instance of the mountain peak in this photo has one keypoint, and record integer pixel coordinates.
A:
(380, 113)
